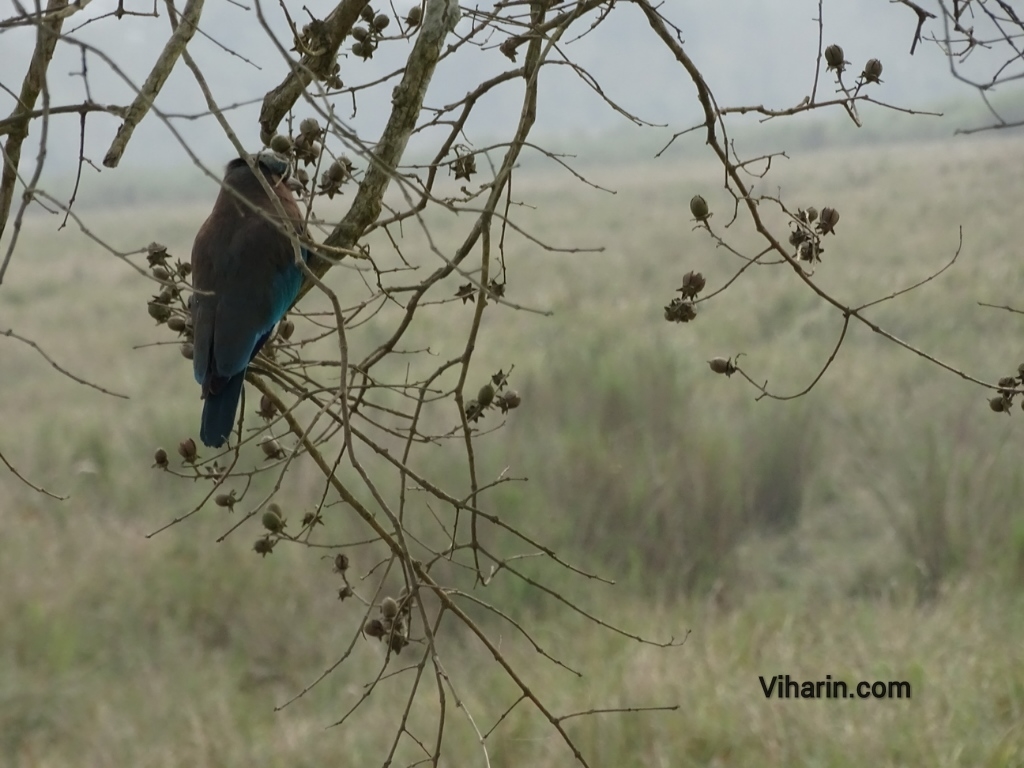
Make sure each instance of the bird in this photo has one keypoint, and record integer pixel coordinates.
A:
(244, 279)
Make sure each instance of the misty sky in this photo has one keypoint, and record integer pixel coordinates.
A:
(750, 51)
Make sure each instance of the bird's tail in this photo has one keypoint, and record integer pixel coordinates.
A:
(219, 412)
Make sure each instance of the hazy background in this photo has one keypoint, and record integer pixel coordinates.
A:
(752, 52)
(871, 530)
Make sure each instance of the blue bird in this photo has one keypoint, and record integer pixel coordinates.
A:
(245, 278)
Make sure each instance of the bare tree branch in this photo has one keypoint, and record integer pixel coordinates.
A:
(10, 334)
(335, 28)
(47, 34)
(157, 77)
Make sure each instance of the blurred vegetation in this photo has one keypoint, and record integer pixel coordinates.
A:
(624, 146)
(869, 530)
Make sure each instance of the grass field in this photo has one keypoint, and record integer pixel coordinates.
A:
(870, 530)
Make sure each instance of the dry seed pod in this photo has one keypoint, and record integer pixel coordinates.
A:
(187, 350)
(160, 458)
(286, 329)
(693, 283)
(834, 58)
(267, 408)
(829, 219)
(224, 500)
(380, 22)
(187, 449)
(696, 281)
(722, 365)
(389, 608)
(680, 310)
(272, 521)
(271, 448)
(337, 171)
(464, 167)
(415, 16)
(808, 251)
(485, 395)
(374, 628)
(281, 144)
(264, 546)
(367, 13)
(309, 128)
(156, 254)
(398, 642)
(872, 71)
(512, 399)
(999, 404)
(360, 33)
(159, 311)
(341, 562)
(699, 208)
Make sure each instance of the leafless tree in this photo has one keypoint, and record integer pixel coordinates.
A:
(982, 41)
(366, 424)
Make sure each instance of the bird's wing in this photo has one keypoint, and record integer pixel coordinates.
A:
(257, 281)
(211, 241)
(245, 279)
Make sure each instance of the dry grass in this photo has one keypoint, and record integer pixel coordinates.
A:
(122, 650)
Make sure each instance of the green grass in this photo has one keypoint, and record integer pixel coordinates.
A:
(870, 530)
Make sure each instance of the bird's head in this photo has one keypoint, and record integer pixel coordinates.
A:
(276, 171)
(274, 164)
(275, 167)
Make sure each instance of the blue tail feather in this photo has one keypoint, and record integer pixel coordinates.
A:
(219, 412)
